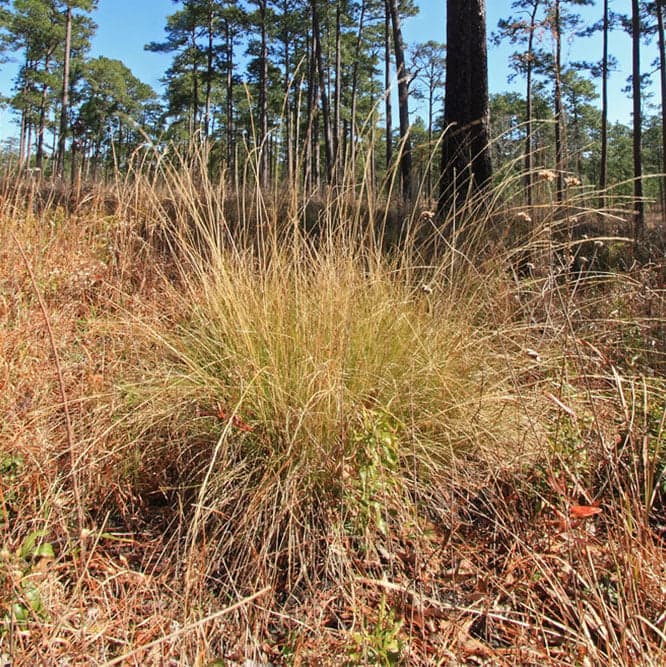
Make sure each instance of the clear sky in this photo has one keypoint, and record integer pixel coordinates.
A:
(124, 26)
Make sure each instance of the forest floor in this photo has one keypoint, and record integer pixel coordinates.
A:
(277, 451)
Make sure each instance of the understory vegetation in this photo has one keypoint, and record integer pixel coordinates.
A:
(243, 425)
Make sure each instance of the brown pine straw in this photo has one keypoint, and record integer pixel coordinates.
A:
(187, 628)
(63, 396)
(420, 601)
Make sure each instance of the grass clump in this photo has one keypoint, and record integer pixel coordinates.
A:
(310, 396)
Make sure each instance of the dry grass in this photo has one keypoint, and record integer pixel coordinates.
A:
(297, 440)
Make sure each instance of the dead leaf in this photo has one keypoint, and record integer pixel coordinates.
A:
(584, 511)
(473, 647)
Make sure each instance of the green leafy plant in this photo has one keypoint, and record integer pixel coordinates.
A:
(375, 461)
(18, 574)
(381, 644)
(10, 469)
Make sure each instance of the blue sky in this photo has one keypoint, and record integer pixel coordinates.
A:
(124, 26)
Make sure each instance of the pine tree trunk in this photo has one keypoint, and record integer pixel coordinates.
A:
(480, 103)
(529, 175)
(455, 153)
(263, 97)
(316, 145)
(325, 111)
(195, 87)
(576, 147)
(387, 84)
(39, 160)
(75, 171)
(209, 73)
(559, 120)
(466, 164)
(403, 102)
(338, 91)
(22, 139)
(662, 77)
(28, 142)
(354, 89)
(288, 140)
(310, 139)
(229, 46)
(95, 159)
(639, 208)
(431, 108)
(603, 166)
(64, 104)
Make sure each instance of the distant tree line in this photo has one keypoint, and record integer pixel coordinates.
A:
(71, 109)
(307, 88)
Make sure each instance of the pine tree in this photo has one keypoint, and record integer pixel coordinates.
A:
(428, 68)
(639, 206)
(403, 101)
(466, 162)
(39, 29)
(113, 103)
(522, 29)
(192, 66)
(659, 11)
(67, 9)
(562, 22)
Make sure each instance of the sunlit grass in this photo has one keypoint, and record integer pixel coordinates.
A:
(289, 355)
(330, 403)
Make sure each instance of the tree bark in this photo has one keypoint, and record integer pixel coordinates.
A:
(22, 139)
(662, 77)
(354, 89)
(338, 90)
(39, 159)
(431, 106)
(403, 102)
(325, 111)
(556, 28)
(288, 110)
(64, 105)
(480, 103)
(466, 163)
(639, 208)
(263, 96)
(387, 85)
(309, 167)
(28, 141)
(603, 166)
(229, 46)
(195, 84)
(529, 176)
(209, 71)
